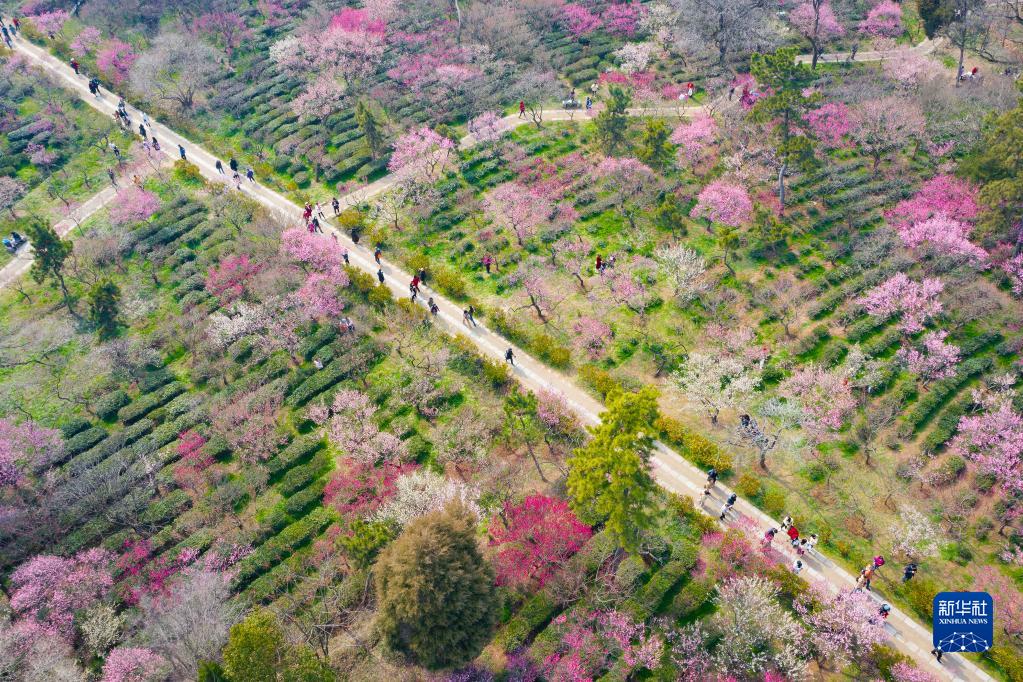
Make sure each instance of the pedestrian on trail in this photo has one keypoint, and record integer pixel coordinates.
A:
(16, 23)
(712, 477)
(233, 164)
(148, 147)
(156, 144)
(797, 566)
(136, 180)
(380, 275)
(112, 176)
(522, 109)
(145, 120)
(117, 117)
(937, 652)
(908, 572)
(181, 151)
(769, 536)
(220, 167)
(727, 506)
(415, 283)
(863, 581)
(319, 211)
(600, 262)
(237, 181)
(690, 90)
(74, 65)
(804, 546)
(310, 227)
(434, 308)
(142, 131)
(377, 253)
(250, 174)
(468, 318)
(878, 562)
(786, 523)
(706, 494)
(344, 253)
(307, 211)
(7, 36)
(487, 262)
(413, 292)
(812, 542)
(355, 235)
(116, 150)
(336, 205)
(885, 609)
(509, 357)
(793, 534)
(316, 225)
(589, 103)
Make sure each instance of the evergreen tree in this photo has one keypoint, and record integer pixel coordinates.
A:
(371, 128)
(934, 14)
(436, 598)
(211, 671)
(613, 122)
(670, 215)
(786, 83)
(103, 300)
(655, 148)
(49, 253)
(610, 475)
(258, 651)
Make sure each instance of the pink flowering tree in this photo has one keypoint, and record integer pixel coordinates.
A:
(942, 194)
(486, 127)
(115, 59)
(579, 21)
(592, 336)
(829, 123)
(318, 297)
(249, 424)
(225, 29)
(622, 19)
(86, 41)
(358, 489)
(916, 302)
(420, 156)
(352, 429)
(515, 207)
(885, 125)
(883, 20)
(49, 590)
(911, 69)
(825, 399)
(11, 191)
(589, 641)
(1013, 267)
(25, 445)
(190, 470)
(317, 254)
(133, 205)
(994, 440)
(724, 203)
(934, 360)
(134, 664)
(50, 23)
(694, 138)
(945, 236)
(554, 413)
(229, 279)
(816, 21)
(1007, 596)
(531, 540)
(842, 626)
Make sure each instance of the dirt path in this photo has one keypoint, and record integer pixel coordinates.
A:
(924, 47)
(670, 470)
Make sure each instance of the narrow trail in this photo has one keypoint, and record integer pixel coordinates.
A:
(670, 470)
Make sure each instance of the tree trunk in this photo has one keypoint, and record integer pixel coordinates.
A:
(582, 284)
(962, 56)
(781, 186)
(536, 306)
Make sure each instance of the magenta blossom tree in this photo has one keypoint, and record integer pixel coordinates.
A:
(49, 590)
(842, 625)
(622, 19)
(134, 664)
(916, 302)
(934, 360)
(1008, 599)
(579, 20)
(816, 21)
(693, 138)
(725, 203)
(942, 194)
(533, 539)
(830, 123)
(1013, 267)
(50, 23)
(133, 205)
(994, 440)
(486, 127)
(86, 41)
(115, 59)
(318, 297)
(947, 236)
(228, 279)
(316, 253)
(884, 19)
(226, 29)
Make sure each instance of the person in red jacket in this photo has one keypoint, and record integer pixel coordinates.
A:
(522, 108)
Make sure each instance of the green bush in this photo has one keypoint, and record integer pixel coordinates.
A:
(83, 441)
(648, 599)
(748, 486)
(73, 426)
(280, 546)
(301, 476)
(601, 381)
(691, 597)
(148, 402)
(535, 614)
(304, 500)
(774, 502)
(1009, 660)
(188, 173)
(154, 380)
(450, 282)
(107, 405)
(317, 340)
(550, 351)
(301, 448)
(920, 594)
(167, 507)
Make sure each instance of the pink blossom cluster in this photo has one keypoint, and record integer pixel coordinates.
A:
(829, 123)
(358, 488)
(227, 28)
(592, 336)
(590, 640)
(884, 19)
(86, 41)
(319, 254)
(724, 202)
(228, 280)
(25, 443)
(694, 137)
(622, 19)
(841, 624)
(825, 399)
(134, 664)
(48, 590)
(917, 302)
(192, 461)
(579, 20)
(531, 540)
(421, 155)
(946, 235)
(1013, 267)
(133, 205)
(994, 440)
(942, 194)
(115, 59)
(50, 23)
(519, 209)
(486, 127)
(553, 412)
(936, 360)
(819, 25)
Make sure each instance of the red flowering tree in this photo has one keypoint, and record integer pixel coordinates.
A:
(622, 19)
(358, 488)
(227, 281)
(579, 20)
(942, 194)
(189, 472)
(830, 123)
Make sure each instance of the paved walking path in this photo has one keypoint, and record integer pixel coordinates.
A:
(22, 261)
(924, 47)
(671, 471)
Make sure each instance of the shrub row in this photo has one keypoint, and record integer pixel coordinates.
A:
(154, 380)
(83, 441)
(299, 477)
(942, 390)
(693, 446)
(648, 599)
(302, 501)
(946, 425)
(332, 374)
(73, 426)
(107, 405)
(149, 402)
(267, 586)
(535, 614)
(280, 546)
(301, 448)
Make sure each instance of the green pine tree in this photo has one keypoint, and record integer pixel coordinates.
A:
(655, 149)
(258, 651)
(103, 312)
(436, 598)
(670, 215)
(372, 130)
(609, 477)
(613, 122)
(49, 252)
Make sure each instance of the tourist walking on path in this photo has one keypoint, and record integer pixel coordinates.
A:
(7, 37)
(729, 503)
(380, 275)
(112, 176)
(233, 164)
(522, 109)
(797, 566)
(142, 131)
(908, 572)
(377, 253)
(786, 523)
(250, 174)
(156, 146)
(509, 357)
(181, 151)
(712, 477)
(467, 317)
(237, 181)
(74, 65)
(706, 495)
(336, 205)
(219, 166)
(937, 652)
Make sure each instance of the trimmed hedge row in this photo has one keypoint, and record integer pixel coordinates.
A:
(264, 588)
(167, 507)
(942, 390)
(648, 599)
(534, 615)
(280, 546)
(105, 448)
(337, 371)
(149, 402)
(73, 427)
(304, 500)
(108, 405)
(301, 476)
(155, 379)
(298, 450)
(83, 441)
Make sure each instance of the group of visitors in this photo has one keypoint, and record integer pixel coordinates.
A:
(602, 265)
(14, 242)
(9, 31)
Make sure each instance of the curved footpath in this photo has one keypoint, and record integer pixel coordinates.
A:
(670, 470)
